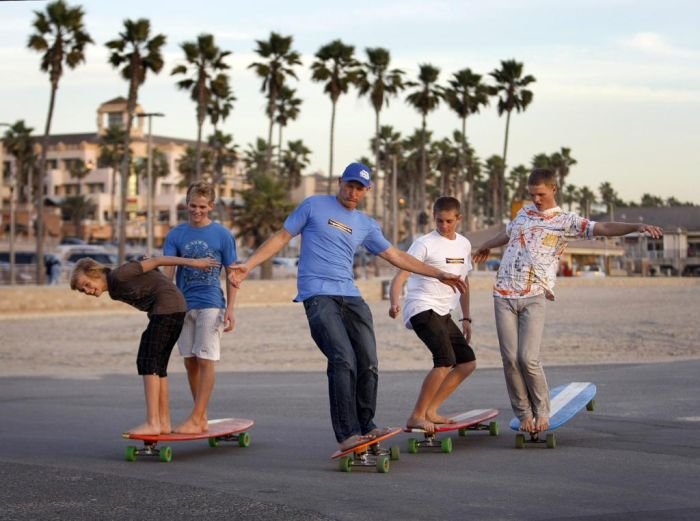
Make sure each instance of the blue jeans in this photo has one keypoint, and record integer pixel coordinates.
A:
(343, 330)
(520, 324)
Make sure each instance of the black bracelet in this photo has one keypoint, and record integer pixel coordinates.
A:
(467, 319)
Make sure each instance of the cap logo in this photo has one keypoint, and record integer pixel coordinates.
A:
(364, 174)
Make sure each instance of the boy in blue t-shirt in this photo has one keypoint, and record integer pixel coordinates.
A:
(339, 319)
(208, 313)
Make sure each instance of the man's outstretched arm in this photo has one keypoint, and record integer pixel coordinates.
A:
(407, 262)
(238, 272)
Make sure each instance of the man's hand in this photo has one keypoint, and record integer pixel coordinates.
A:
(481, 255)
(454, 281)
(205, 263)
(394, 310)
(236, 274)
(229, 321)
(467, 330)
(654, 231)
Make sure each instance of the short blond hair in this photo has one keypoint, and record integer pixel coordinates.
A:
(203, 189)
(88, 267)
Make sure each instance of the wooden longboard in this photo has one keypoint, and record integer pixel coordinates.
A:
(369, 454)
(225, 429)
(566, 401)
(464, 422)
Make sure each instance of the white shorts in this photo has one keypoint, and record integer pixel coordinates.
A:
(201, 334)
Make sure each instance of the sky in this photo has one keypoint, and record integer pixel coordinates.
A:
(618, 81)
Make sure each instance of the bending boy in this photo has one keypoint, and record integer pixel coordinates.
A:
(427, 310)
(140, 284)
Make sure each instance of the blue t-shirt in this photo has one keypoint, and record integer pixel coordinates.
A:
(330, 234)
(201, 288)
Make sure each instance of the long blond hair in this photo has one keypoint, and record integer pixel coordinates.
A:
(88, 267)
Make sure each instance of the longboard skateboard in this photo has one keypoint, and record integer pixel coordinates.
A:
(225, 429)
(566, 401)
(474, 420)
(369, 454)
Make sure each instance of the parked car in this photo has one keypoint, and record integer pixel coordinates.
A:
(108, 259)
(591, 271)
(25, 267)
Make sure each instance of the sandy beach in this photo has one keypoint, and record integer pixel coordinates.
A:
(58, 333)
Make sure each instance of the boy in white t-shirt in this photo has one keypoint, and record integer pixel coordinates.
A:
(427, 310)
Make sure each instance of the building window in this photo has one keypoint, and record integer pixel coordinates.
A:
(96, 188)
(115, 119)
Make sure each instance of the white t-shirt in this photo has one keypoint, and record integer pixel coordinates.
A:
(423, 293)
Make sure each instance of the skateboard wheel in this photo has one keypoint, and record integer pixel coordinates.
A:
(590, 406)
(412, 446)
(166, 454)
(345, 464)
(130, 453)
(213, 442)
(519, 441)
(462, 432)
(551, 441)
(446, 445)
(244, 439)
(383, 464)
(395, 452)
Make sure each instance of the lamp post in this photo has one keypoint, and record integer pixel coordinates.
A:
(149, 176)
(12, 217)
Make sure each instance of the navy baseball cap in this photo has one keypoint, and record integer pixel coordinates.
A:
(357, 172)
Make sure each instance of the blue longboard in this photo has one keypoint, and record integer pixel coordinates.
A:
(565, 402)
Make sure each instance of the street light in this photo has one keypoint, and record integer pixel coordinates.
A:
(12, 215)
(149, 192)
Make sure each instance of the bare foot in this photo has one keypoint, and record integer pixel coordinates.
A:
(541, 424)
(190, 426)
(420, 423)
(167, 429)
(146, 428)
(438, 418)
(354, 441)
(378, 431)
(527, 425)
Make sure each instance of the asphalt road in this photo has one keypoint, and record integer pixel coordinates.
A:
(636, 457)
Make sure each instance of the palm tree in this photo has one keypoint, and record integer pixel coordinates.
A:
(609, 197)
(517, 182)
(561, 162)
(570, 195)
(77, 208)
(447, 162)
(294, 160)
(425, 99)
(61, 36)
(221, 100)
(388, 142)
(494, 169)
(18, 142)
(264, 209)
(255, 158)
(137, 54)
(287, 108)
(336, 66)
(160, 167)
(111, 156)
(585, 199)
(512, 95)
(188, 164)
(465, 95)
(281, 59)
(225, 154)
(79, 170)
(541, 161)
(376, 80)
(206, 61)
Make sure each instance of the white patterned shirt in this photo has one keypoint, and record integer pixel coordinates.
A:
(536, 243)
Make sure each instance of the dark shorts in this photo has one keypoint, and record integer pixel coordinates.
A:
(443, 338)
(157, 342)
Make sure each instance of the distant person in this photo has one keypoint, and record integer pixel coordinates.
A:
(53, 269)
(536, 239)
(340, 321)
(140, 284)
(209, 314)
(427, 308)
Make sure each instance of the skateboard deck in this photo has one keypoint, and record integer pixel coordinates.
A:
(566, 401)
(369, 454)
(474, 420)
(225, 429)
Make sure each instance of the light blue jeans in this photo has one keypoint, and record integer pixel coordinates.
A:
(520, 324)
(343, 330)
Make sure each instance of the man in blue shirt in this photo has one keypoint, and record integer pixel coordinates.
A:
(339, 319)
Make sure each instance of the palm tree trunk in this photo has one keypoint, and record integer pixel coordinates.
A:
(502, 174)
(271, 114)
(111, 203)
(40, 270)
(330, 157)
(198, 156)
(376, 166)
(423, 172)
(279, 151)
(124, 181)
